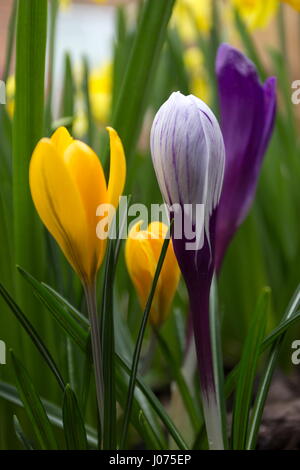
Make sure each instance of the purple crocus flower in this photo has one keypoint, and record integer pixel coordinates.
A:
(247, 119)
(189, 156)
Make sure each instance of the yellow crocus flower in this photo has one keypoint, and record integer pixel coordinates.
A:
(256, 13)
(100, 89)
(142, 251)
(10, 95)
(67, 184)
(194, 63)
(190, 15)
(294, 3)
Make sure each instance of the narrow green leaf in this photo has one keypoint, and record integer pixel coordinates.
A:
(68, 92)
(34, 336)
(10, 40)
(34, 407)
(27, 131)
(9, 393)
(247, 371)
(155, 403)
(20, 434)
(187, 398)
(74, 429)
(289, 318)
(53, 7)
(128, 115)
(139, 342)
(108, 352)
(60, 309)
(216, 342)
(267, 374)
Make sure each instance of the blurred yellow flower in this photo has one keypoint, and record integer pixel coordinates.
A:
(256, 13)
(64, 4)
(10, 95)
(294, 3)
(67, 185)
(190, 15)
(142, 251)
(194, 63)
(100, 89)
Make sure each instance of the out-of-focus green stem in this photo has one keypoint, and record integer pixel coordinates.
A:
(10, 40)
(53, 7)
(128, 114)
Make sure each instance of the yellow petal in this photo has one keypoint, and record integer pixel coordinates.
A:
(117, 174)
(59, 205)
(87, 173)
(142, 252)
(61, 140)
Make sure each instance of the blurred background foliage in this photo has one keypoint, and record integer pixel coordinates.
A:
(113, 63)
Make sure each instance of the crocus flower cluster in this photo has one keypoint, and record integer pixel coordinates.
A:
(190, 153)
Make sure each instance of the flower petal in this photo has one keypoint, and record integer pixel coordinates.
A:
(60, 206)
(117, 174)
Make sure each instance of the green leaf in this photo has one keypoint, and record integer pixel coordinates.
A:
(20, 434)
(34, 407)
(267, 374)
(63, 312)
(108, 352)
(290, 317)
(247, 371)
(10, 40)
(34, 336)
(68, 93)
(74, 429)
(139, 342)
(216, 343)
(27, 131)
(187, 398)
(142, 64)
(9, 393)
(155, 404)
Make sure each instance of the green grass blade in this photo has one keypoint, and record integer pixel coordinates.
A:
(20, 434)
(68, 93)
(27, 130)
(34, 407)
(187, 398)
(108, 352)
(216, 342)
(10, 394)
(139, 342)
(247, 371)
(155, 404)
(267, 374)
(74, 429)
(290, 316)
(150, 36)
(10, 40)
(61, 310)
(34, 336)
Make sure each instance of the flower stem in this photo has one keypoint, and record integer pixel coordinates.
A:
(199, 298)
(90, 295)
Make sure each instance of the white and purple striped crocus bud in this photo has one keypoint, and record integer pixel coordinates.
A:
(189, 157)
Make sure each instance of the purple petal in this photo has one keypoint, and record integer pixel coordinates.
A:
(247, 121)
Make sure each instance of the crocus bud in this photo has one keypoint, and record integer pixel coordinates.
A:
(188, 156)
(248, 110)
(67, 185)
(143, 248)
